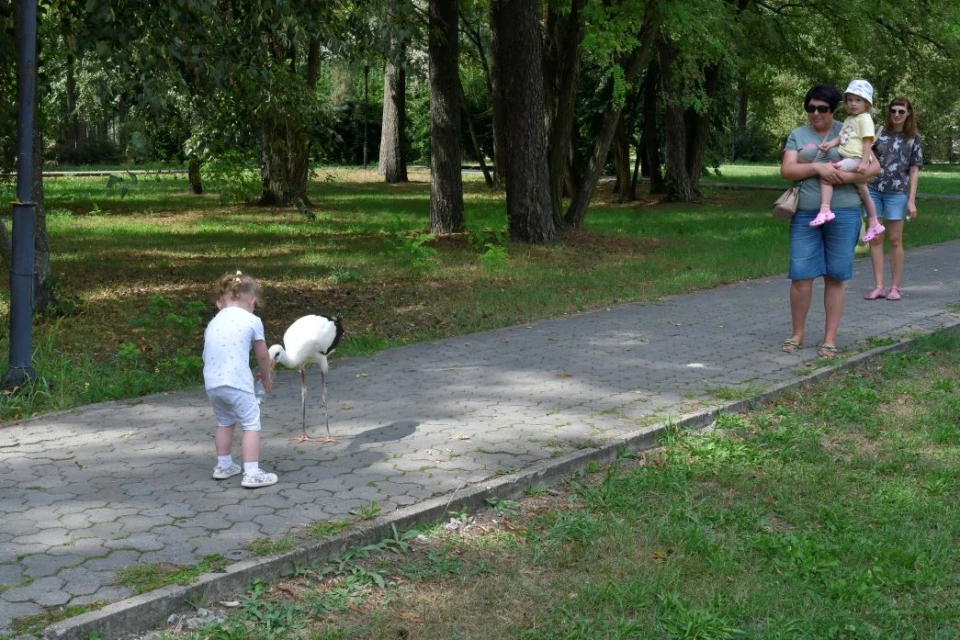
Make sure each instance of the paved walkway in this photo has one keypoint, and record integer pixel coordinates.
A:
(86, 492)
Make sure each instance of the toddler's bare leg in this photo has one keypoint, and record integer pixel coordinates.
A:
(223, 440)
(251, 446)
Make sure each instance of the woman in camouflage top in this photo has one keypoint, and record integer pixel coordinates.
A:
(894, 191)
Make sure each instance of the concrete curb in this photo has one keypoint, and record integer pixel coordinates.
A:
(149, 611)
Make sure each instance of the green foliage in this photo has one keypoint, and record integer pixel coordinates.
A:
(168, 337)
(415, 252)
(231, 176)
(122, 184)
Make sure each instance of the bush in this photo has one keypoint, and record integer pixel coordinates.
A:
(88, 151)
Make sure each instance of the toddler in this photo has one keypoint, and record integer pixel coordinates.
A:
(855, 142)
(229, 381)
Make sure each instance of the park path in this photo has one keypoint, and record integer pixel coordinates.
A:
(86, 492)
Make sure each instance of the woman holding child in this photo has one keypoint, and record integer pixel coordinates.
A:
(826, 250)
(894, 192)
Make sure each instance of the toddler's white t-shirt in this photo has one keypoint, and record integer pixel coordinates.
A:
(227, 342)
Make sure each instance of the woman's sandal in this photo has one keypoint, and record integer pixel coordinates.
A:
(790, 345)
(894, 294)
(828, 350)
(876, 294)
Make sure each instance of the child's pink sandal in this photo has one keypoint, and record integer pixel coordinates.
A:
(876, 294)
(823, 218)
(894, 294)
(873, 232)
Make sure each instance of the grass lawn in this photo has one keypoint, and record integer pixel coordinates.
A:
(937, 179)
(831, 513)
(136, 273)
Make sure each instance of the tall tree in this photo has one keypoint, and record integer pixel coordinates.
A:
(561, 67)
(516, 32)
(446, 180)
(625, 72)
(393, 162)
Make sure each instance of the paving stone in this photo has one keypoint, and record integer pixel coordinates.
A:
(46, 592)
(116, 560)
(81, 582)
(10, 611)
(138, 542)
(11, 574)
(42, 564)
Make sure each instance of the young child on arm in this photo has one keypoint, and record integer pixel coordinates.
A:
(229, 381)
(855, 142)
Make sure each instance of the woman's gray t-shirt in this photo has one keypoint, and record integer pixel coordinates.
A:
(804, 140)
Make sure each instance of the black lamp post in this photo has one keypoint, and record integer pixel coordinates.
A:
(24, 209)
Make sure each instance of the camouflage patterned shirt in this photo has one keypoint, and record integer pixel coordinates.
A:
(896, 156)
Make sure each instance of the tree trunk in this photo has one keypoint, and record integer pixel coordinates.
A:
(639, 59)
(477, 151)
(475, 37)
(446, 180)
(678, 183)
(193, 174)
(621, 156)
(364, 110)
(636, 175)
(499, 111)
(564, 33)
(393, 162)
(686, 131)
(284, 162)
(651, 136)
(73, 119)
(517, 29)
(742, 103)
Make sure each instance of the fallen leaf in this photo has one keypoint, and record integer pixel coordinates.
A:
(660, 556)
(230, 603)
(412, 616)
(564, 374)
(80, 466)
(463, 437)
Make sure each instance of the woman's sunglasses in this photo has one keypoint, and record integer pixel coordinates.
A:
(820, 108)
(898, 112)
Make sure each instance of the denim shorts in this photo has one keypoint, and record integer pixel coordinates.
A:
(824, 250)
(890, 206)
(234, 406)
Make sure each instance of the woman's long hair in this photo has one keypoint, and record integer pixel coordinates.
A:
(909, 124)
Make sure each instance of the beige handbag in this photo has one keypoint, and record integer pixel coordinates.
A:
(786, 204)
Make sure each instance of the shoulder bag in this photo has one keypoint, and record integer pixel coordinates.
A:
(786, 204)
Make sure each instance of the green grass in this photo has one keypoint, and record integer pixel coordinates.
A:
(33, 625)
(831, 513)
(938, 179)
(149, 577)
(133, 272)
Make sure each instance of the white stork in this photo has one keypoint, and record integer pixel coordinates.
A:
(309, 340)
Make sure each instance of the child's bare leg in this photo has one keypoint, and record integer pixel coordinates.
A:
(251, 446)
(223, 440)
(874, 228)
(825, 215)
(868, 204)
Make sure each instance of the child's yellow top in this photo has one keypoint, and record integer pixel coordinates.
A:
(855, 129)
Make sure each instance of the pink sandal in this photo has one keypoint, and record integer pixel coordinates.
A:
(873, 232)
(823, 218)
(894, 294)
(876, 294)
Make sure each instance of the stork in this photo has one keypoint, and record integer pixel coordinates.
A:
(309, 340)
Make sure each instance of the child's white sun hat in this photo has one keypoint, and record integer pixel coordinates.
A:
(860, 88)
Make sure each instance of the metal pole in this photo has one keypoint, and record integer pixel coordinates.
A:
(24, 209)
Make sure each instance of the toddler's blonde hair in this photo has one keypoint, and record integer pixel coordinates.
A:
(234, 285)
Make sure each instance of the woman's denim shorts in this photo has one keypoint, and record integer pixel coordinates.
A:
(826, 250)
(890, 206)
